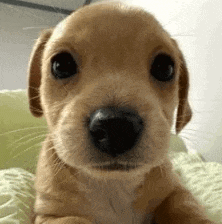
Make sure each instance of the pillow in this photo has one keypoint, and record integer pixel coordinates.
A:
(21, 134)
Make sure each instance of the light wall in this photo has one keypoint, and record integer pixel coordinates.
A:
(18, 32)
(195, 24)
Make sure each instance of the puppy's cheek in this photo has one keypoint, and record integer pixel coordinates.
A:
(71, 143)
(53, 98)
(156, 138)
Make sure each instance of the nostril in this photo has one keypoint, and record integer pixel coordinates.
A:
(99, 135)
(115, 130)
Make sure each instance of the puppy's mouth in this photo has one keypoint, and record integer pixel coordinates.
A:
(116, 167)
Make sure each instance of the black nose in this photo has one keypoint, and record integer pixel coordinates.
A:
(115, 130)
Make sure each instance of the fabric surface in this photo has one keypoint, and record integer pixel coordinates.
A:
(203, 179)
(16, 196)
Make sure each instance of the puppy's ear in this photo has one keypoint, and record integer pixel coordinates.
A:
(34, 77)
(184, 112)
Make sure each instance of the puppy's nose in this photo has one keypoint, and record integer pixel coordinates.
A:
(115, 130)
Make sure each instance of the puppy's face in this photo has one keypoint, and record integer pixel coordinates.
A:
(109, 62)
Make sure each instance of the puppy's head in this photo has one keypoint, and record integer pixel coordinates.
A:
(108, 80)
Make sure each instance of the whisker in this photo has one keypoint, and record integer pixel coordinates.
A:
(60, 165)
(39, 136)
(199, 131)
(35, 109)
(191, 142)
(195, 137)
(26, 136)
(22, 129)
(31, 87)
(53, 154)
(34, 97)
(20, 153)
(33, 27)
(182, 35)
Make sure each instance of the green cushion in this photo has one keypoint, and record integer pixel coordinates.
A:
(21, 134)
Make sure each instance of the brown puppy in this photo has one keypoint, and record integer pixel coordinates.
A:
(108, 80)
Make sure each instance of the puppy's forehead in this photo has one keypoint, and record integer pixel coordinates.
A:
(108, 20)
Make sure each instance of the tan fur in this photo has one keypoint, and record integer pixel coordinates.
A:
(114, 45)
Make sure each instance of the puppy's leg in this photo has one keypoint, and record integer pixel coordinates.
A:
(61, 220)
(181, 207)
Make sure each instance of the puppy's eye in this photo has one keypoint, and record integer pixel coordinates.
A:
(63, 65)
(162, 68)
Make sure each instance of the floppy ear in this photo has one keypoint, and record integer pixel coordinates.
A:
(34, 77)
(184, 112)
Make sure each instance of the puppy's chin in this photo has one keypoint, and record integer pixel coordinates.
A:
(117, 167)
(117, 171)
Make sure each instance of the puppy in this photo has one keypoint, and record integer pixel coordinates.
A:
(108, 79)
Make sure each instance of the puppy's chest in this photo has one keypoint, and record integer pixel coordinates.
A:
(111, 202)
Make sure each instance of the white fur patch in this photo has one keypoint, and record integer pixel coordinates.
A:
(111, 200)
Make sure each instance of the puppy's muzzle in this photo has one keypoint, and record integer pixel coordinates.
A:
(115, 130)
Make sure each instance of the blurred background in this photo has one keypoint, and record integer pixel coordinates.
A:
(195, 24)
